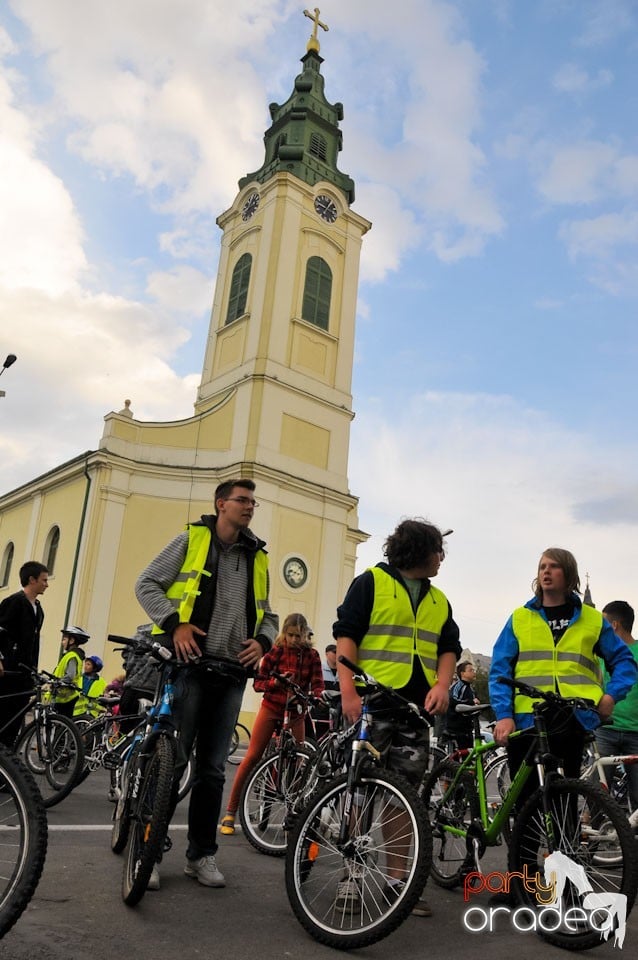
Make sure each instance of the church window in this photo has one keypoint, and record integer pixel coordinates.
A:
(51, 549)
(317, 292)
(7, 563)
(318, 146)
(239, 288)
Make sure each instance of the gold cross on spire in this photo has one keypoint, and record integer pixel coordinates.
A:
(313, 43)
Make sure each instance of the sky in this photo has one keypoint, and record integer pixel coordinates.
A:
(494, 147)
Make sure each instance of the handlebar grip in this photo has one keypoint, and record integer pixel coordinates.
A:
(127, 641)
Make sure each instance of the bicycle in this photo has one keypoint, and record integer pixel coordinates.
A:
(272, 786)
(142, 812)
(611, 772)
(23, 838)
(359, 854)
(50, 746)
(566, 816)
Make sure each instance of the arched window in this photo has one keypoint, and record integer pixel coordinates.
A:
(7, 563)
(51, 549)
(318, 146)
(317, 291)
(239, 288)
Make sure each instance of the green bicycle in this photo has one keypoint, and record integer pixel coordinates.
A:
(570, 817)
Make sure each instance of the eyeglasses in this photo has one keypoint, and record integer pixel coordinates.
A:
(245, 501)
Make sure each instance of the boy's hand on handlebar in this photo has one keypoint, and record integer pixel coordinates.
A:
(437, 699)
(351, 705)
(502, 730)
(185, 641)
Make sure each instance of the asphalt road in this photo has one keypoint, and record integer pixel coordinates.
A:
(77, 911)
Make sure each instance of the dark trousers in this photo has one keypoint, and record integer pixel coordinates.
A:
(15, 693)
(205, 708)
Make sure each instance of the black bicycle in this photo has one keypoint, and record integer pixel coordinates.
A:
(360, 851)
(50, 746)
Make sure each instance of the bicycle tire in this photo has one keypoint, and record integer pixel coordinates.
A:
(449, 814)
(149, 822)
(574, 805)
(24, 838)
(317, 865)
(238, 744)
(58, 772)
(121, 812)
(265, 801)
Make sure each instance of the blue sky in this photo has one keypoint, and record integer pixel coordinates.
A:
(494, 148)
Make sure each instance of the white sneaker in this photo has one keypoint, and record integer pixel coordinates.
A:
(205, 871)
(154, 880)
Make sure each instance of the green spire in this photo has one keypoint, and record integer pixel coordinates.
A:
(305, 138)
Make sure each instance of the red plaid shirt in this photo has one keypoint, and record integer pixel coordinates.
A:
(302, 662)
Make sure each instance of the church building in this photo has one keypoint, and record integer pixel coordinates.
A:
(274, 404)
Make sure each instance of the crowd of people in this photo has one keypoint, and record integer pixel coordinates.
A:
(207, 593)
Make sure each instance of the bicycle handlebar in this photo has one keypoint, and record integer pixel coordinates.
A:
(549, 696)
(370, 682)
(298, 691)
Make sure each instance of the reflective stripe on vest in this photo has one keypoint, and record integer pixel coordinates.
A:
(570, 667)
(65, 694)
(184, 590)
(396, 633)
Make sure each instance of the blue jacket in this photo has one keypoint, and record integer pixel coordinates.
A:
(616, 655)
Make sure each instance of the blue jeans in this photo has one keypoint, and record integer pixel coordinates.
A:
(207, 708)
(616, 742)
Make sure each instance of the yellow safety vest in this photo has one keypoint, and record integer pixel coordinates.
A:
(84, 705)
(66, 694)
(183, 592)
(569, 667)
(397, 634)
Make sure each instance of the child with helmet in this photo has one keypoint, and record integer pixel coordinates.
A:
(70, 667)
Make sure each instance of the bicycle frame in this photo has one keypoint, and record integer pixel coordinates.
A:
(597, 768)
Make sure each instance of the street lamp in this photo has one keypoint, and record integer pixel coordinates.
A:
(10, 360)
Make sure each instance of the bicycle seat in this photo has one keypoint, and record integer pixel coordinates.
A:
(471, 707)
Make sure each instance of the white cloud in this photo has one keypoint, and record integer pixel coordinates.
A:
(599, 236)
(572, 78)
(182, 290)
(578, 173)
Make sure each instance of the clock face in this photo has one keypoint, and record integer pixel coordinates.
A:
(326, 208)
(295, 572)
(249, 207)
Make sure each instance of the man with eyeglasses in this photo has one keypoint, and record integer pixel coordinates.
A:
(207, 593)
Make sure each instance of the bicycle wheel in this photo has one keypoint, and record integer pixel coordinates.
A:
(340, 887)
(497, 784)
(238, 744)
(54, 754)
(149, 820)
(451, 812)
(267, 798)
(121, 777)
(595, 889)
(23, 838)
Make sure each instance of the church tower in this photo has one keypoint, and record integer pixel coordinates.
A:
(274, 404)
(282, 326)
